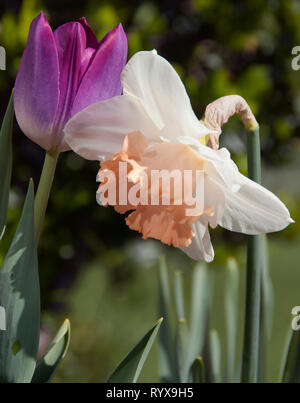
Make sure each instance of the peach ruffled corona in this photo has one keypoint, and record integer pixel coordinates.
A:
(167, 222)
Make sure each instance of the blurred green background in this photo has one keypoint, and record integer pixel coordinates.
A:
(96, 271)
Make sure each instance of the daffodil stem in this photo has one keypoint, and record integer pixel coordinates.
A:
(43, 191)
(252, 312)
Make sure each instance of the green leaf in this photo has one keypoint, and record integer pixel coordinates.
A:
(180, 350)
(48, 364)
(5, 162)
(231, 316)
(166, 342)
(181, 330)
(130, 368)
(291, 368)
(253, 276)
(267, 289)
(179, 299)
(200, 303)
(197, 371)
(215, 356)
(20, 297)
(266, 309)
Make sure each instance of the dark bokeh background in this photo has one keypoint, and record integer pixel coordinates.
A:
(92, 267)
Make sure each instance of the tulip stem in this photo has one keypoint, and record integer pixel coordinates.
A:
(252, 312)
(43, 191)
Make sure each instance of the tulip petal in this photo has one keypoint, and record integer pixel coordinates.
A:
(102, 78)
(86, 60)
(253, 209)
(36, 94)
(70, 40)
(98, 131)
(152, 79)
(91, 39)
(91, 47)
(201, 247)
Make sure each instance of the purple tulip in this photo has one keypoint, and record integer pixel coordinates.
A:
(61, 73)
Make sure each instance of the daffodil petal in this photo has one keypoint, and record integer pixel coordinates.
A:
(218, 162)
(98, 131)
(214, 196)
(249, 207)
(201, 247)
(155, 82)
(253, 209)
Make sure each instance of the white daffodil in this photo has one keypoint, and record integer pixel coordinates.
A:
(152, 127)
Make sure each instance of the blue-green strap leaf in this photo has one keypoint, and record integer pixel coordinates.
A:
(166, 340)
(5, 162)
(20, 297)
(291, 368)
(215, 356)
(267, 289)
(200, 305)
(48, 364)
(197, 371)
(231, 316)
(130, 368)
(181, 330)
